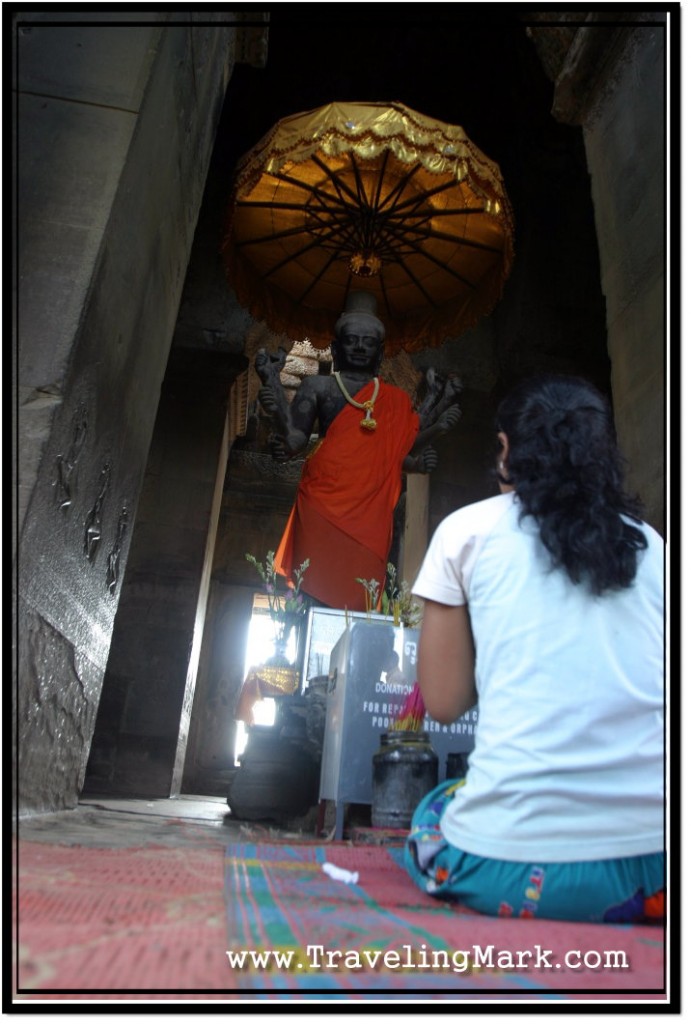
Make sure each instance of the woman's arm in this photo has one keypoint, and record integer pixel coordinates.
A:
(446, 661)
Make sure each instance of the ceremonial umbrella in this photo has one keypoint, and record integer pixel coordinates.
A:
(369, 197)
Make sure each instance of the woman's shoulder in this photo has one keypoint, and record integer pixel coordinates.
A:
(484, 513)
(456, 546)
(469, 526)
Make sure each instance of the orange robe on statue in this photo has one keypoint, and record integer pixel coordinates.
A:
(342, 519)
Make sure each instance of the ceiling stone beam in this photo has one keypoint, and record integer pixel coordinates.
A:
(581, 54)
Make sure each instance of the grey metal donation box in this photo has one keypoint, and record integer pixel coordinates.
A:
(372, 670)
(324, 629)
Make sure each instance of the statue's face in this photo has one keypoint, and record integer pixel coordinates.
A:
(357, 348)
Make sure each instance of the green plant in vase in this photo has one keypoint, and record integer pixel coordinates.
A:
(287, 604)
(371, 593)
(398, 601)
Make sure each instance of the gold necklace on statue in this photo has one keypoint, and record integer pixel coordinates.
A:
(369, 422)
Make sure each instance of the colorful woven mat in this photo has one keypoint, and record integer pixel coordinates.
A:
(294, 927)
(132, 923)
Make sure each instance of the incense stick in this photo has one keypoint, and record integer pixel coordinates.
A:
(411, 715)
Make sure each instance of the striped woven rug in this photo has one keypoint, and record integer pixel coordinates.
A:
(265, 921)
(294, 927)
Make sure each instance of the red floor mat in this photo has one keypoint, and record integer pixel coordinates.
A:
(101, 920)
(155, 922)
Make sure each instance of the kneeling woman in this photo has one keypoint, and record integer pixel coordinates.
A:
(544, 605)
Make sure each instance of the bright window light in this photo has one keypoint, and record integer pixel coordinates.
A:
(260, 647)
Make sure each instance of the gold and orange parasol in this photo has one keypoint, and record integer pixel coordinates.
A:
(369, 197)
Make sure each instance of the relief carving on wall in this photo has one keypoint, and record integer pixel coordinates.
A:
(113, 571)
(66, 465)
(92, 526)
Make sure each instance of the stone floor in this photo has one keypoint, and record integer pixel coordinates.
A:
(122, 822)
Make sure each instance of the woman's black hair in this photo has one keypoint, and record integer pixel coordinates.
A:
(566, 469)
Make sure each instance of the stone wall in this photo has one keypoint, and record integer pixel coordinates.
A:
(213, 728)
(143, 720)
(611, 79)
(551, 317)
(114, 132)
(625, 143)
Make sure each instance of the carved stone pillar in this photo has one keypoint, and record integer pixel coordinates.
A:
(143, 718)
(609, 76)
(416, 531)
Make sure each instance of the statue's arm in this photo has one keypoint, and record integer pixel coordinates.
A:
(439, 411)
(423, 461)
(435, 427)
(443, 412)
(293, 421)
(302, 413)
(271, 394)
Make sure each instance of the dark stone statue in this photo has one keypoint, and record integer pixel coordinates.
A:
(369, 435)
(357, 352)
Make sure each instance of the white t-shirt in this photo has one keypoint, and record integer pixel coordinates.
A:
(568, 761)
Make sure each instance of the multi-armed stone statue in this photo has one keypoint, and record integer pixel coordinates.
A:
(369, 432)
